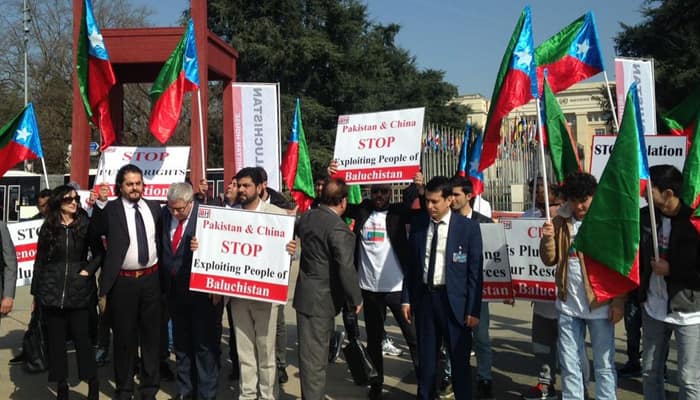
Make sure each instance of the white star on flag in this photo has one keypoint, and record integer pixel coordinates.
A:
(582, 48)
(474, 165)
(23, 134)
(96, 40)
(524, 58)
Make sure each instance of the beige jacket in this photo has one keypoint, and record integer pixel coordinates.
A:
(554, 251)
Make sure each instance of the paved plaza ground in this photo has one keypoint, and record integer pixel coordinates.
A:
(513, 365)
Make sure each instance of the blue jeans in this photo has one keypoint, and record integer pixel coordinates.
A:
(571, 344)
(657, 335)
(482, 345)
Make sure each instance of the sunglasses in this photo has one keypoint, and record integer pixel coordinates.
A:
(69, 199)
(380, 190)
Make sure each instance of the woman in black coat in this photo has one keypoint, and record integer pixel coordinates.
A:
(63, 283)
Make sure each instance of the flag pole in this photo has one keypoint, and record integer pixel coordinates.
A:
(201, 134)
(543, 162)
(46, 177)
(610, 99)
(652, 215)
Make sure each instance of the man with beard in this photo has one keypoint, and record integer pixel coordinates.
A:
(129, 280)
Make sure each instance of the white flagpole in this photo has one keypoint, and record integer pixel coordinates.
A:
(46, 177)
(652, 215)
(201, 135)
(612, 104)
(543, 162)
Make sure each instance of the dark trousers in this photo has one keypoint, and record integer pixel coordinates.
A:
(281, 339)
(633, 329)
(232, 350)
(104, 328)
(196, 344)
(314, 334)
(435, 322)
(375, 305)
(135, 304)
(60, 322)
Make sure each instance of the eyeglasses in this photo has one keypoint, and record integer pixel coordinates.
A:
(179, 209)
(69, 199)
(380, 190)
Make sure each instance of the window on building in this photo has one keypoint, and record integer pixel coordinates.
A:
(600, 131)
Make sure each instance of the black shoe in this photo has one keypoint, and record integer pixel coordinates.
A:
(166, 375)
(62, 391)
(630, 370)
(375, 391)
(484, 390)
(93, 389)
(282, 376)
(19, 360)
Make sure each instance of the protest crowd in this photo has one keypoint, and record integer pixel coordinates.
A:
(143, 270)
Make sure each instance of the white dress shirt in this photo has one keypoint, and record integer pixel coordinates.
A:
(443, 227)
(131, 259)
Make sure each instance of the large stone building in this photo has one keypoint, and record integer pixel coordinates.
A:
(581, 104)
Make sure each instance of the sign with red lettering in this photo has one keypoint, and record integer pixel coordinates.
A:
(161, 166)
(532, 280)
(379, 147)
(25, 236)
(497, 283)
(242, 254)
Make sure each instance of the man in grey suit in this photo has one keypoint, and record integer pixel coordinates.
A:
(327, 280)
(8, 275)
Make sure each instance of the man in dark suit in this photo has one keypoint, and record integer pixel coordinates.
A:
(194, 314)
(130, 281)
(327, 280)
(442, 287)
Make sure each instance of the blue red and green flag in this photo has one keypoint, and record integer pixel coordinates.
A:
(571, 55)
(296, 165)
(19, 140)
(95, 76)
(179, 75)
(516, 84)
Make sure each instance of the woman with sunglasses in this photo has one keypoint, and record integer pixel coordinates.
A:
(63, 283)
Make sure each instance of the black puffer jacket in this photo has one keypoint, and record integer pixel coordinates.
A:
(57, 281)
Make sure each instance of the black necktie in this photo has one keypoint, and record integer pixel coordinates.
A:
(431, 260)
(141, 240)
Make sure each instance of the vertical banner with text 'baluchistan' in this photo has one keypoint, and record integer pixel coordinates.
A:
(256, 135)
(242, 254)
(497, 283)
(379, 147)
(161, 166)
(628, 70)
(25, 236)
(532, 280)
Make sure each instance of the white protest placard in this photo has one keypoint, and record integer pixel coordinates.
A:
(660, 150)
(497, 283)
(532, 280)
(379, 147)
(256, 128)
(25, 236)
(628, 70)
(242, 254)
(161, 167)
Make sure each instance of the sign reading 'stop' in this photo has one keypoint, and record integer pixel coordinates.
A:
(379, 147)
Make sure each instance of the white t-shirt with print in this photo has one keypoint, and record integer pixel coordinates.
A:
(380, 270)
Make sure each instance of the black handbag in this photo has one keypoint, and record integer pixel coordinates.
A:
(361, 367)
(34, 344)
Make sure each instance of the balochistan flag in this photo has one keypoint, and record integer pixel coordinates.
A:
(682, 119)
(475, 176)
(561, 144)
(180, 74)
(691, 179)
(571, 55)
(19, 140)
(609, 234)
(95, 76)
(515, 85)
(296, 166)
